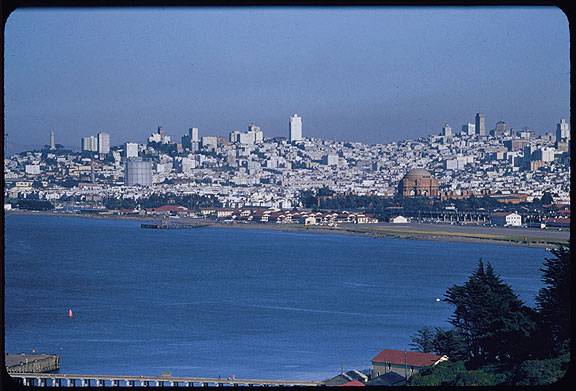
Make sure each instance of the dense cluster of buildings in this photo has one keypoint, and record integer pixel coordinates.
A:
(247, 169)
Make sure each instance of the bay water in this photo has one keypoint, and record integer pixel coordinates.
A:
(230, 302)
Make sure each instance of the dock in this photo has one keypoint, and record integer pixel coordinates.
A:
(31, 363)
(73, 380)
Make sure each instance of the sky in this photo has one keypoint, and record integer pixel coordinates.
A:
(372, 75)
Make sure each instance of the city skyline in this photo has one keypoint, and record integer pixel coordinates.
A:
(339, 69)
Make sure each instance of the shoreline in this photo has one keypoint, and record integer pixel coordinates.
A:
(525, 237)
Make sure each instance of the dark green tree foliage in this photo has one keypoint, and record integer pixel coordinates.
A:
(491, 318)
(423, 341)
(34, 204)
(553, 302)
(534, 372)
(441, 342)
(449, 373)
(190, 201)
(450, 343)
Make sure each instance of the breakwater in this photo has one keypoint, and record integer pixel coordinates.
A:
(31, 363)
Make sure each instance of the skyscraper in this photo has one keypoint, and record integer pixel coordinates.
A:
(447, 131)
(480, 125)
(469, 129)
(501, 129)
(193, 133)
(562, 131)
(103, 143)
(295, 128)
(52, 140)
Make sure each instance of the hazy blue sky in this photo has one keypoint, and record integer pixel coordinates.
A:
(362, 74)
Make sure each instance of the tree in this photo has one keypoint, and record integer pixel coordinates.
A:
(450, 343)
(547, 198)
(534, 372)
(492, 320)
(449, 373)
(423, 341)
(553, 302)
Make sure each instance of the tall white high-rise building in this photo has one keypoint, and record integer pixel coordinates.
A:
(193, 133)
(295, 128)
(562, 131)
(446, 131)
(52, 140)
(103, 143)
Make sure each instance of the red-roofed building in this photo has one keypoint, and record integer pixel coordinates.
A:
(403, 362)
(353, 383)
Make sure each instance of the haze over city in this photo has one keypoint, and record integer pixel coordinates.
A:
(361, 74)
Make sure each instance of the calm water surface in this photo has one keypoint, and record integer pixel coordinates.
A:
(224, 301)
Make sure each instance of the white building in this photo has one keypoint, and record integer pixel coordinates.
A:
(562, 130)
(399, 220)
(330, 159)
(209, 141)
(32, 169)
(103, 143)
(514, 219)
(52, 140)
(295, 128)
(131, 150)
(89, 144)
(193, 133)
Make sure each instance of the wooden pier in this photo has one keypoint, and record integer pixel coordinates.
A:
(31, 363)
(73, 380)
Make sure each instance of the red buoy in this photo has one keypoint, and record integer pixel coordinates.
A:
(69, 312)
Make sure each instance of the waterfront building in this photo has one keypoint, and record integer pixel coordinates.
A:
(295, 128)
(52, 140)
(418, 182)
(398, 220)
(506, 219)
(103, 143)
(402, 362)
(480, 125)
(138, 172)
(563, 131)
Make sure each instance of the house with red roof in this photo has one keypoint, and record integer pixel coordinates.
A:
(403, 363)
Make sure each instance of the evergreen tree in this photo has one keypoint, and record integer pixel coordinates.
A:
(553, 302)
(423, 341)
(492, 320)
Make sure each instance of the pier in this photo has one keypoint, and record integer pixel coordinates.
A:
(73, 380)
(31, 363)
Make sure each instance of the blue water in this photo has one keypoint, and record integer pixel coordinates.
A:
(224, 301)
